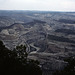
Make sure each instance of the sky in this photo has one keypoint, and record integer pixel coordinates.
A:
(42, 5)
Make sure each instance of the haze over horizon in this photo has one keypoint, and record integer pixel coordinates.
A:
(41, 5)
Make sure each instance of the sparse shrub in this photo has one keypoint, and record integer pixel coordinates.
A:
(15, 62)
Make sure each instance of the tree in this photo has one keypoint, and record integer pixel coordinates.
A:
(69, 69)
(21, 52)
(15, 62)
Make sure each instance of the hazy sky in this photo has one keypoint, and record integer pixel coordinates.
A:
(48, 5)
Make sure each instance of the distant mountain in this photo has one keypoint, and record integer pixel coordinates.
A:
(6, 21)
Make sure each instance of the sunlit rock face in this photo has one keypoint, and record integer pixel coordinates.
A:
(5, 32)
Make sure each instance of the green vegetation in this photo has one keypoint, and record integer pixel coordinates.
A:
(69, 69)
(16, 62)
(66, 31)
(60, 39)
(66, 21)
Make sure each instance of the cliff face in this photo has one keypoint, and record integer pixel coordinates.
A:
(50, 36)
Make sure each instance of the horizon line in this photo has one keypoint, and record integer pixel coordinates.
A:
(35, 10)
